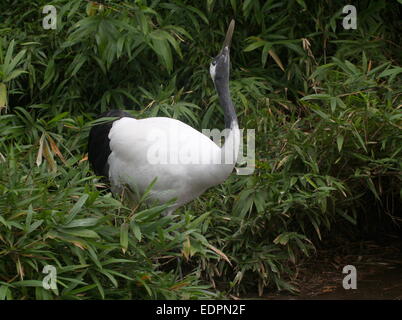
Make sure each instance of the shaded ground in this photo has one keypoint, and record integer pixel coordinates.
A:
(379, 273)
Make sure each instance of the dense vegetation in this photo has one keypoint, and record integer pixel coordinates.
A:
(325, 103)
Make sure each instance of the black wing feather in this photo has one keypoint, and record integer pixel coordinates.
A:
(98, 142)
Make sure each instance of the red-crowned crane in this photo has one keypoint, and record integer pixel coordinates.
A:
(185, 162)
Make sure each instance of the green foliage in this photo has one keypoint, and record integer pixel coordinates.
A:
(100, 248)
(325, 103)
(338, 159)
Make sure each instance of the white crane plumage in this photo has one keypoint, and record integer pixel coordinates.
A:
(185, 162)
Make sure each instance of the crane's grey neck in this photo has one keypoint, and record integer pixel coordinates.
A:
(230, 149)
(222, 87)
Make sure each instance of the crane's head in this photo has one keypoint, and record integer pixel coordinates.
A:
(219, 67)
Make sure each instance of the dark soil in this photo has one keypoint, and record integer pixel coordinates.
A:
(378, 265)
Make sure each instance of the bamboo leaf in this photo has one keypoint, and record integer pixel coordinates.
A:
(276, 59)
(3, 97)
(76, 208)
(124, 236)
(339, 142)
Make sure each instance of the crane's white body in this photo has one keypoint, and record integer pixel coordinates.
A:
(183, 161)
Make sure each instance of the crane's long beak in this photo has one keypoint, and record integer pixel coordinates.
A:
(229, 35)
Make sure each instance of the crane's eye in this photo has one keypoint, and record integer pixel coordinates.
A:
(213, 62)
